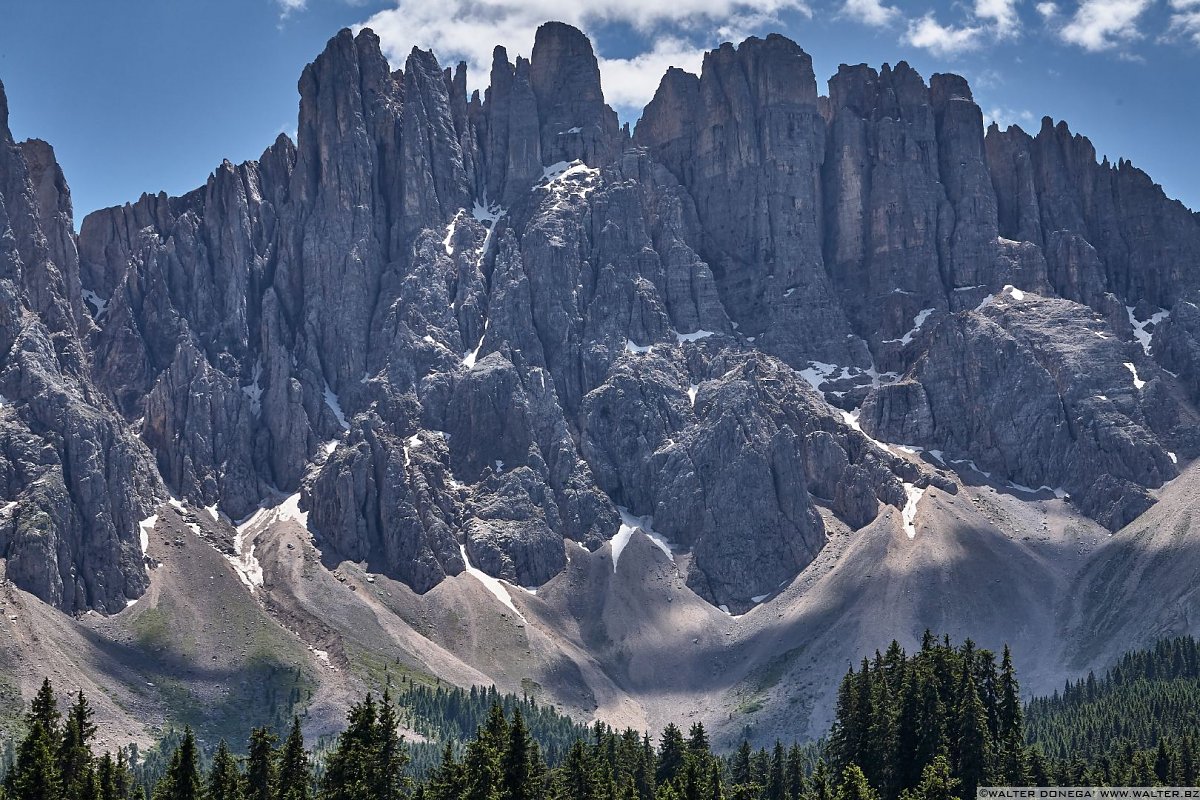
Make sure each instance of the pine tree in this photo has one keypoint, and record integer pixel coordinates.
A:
(44, 709)
(795, 773)
(447, 781)
(390, 782)
(224, 780)
(739, 769)
(294, 772)
(484, 776)
(698, 740)
(776, 788)
(974, 739)
(822, 783)
(936, 782)
(74, 752)
(182, 779)
(854, 785)
(259, 781)
(35, 776)
(577, 778)
(106, 778)
(348, 765)
(518, 762)
(670, 755)
(1012, 768)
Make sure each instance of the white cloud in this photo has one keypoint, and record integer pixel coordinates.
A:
(1004, 117)
(1104, 24)
(942, 40)
(1047, 10)
(291, 6)
(470, 29)
(1001, 15)
(1185, 20)
(630, 82)
(871, 12)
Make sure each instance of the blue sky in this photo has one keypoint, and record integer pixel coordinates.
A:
(150, 95)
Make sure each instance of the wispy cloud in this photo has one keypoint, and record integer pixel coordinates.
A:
(1004, 117)
(1001, 15)
(871, 12)
(1099, 25)
(287, 7)
(682, 29)
(1185, 20)
(942, 40)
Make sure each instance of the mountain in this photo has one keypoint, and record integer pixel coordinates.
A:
(649, 424)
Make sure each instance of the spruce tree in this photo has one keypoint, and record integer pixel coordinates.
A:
(1011, 767)
(776, 788)
(937, 783)
(854, 785)
(670, 755)
(348, 766)
(577, 778)
(224, 779)
(259, 781)
(389, 781)
(182, 779)
(974, 739)
(518, 762)
(74, 752)
(294, 772)
(35, 776)
(447, 781)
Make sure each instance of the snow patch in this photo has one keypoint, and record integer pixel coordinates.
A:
(1140, 331)
(565, 181)
(692, 337)
(470, 358)
(1059, 492)
(493, 585)
(451, 229)
(144, 528)
(691, 393)
(758, 598)
(630, 347)
(1016, 293)
(1174, 460)
(1138, 383)
(920, 319)
(335, 405)
(97, 302)
(909, 514)
(255, 391)
(851, 419)
(212, 512)
(7, 508)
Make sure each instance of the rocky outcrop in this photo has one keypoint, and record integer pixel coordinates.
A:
(74, 480)
(746, 139)
(1038, 393)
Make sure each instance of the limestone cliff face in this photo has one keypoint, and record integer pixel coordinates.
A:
(488, 324)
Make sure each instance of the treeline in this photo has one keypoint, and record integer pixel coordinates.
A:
(1146, 708)
(952, 717)
(441, 713)
(928, 726)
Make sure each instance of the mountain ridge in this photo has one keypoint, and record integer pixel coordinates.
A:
(445, 338)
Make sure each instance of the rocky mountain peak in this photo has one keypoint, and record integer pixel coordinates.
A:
(492, 326)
